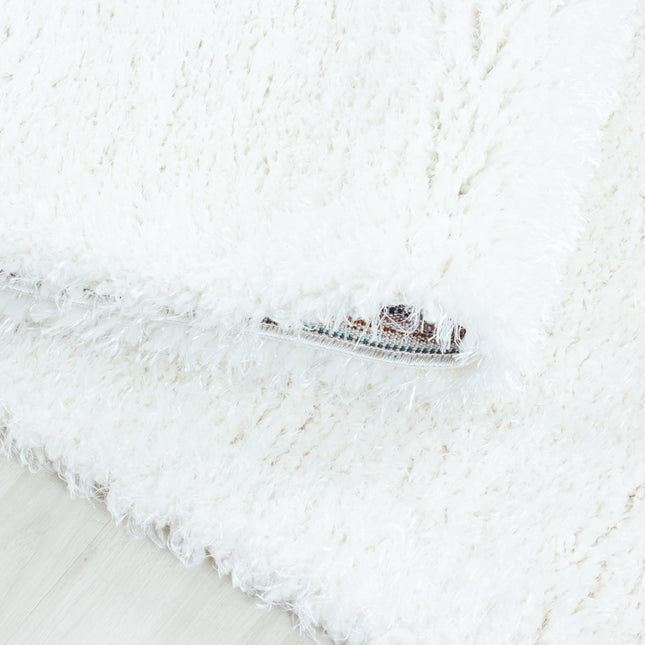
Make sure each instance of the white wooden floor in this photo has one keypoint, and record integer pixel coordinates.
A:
(69, 574)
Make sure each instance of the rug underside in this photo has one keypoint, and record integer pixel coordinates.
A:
(184, 188)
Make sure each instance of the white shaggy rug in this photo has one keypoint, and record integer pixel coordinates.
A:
(172, 174)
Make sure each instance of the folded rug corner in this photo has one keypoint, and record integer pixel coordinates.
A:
(186, 186)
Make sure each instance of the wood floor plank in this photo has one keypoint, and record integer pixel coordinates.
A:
(10, 471)
(109, 587)
(41, 533)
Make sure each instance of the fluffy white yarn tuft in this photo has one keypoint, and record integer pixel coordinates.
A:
(196, 166)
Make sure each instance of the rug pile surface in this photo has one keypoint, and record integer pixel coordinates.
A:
(173, 175)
